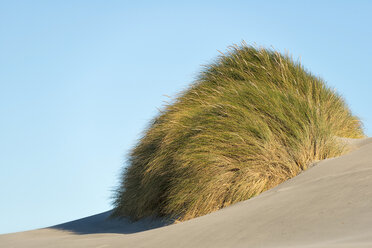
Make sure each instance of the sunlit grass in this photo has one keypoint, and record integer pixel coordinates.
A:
(252, 120)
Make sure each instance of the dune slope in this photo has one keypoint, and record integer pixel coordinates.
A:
(329, 205)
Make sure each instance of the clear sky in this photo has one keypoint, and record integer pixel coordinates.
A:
(80, 80)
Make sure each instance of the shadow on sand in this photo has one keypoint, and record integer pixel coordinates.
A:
(102, 223)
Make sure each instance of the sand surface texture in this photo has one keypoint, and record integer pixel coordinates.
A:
(329, 205)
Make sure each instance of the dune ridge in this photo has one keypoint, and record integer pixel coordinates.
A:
(329, 205)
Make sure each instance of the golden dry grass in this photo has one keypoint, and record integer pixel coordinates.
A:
(252, 120)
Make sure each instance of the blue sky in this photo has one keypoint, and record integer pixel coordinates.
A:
(80, 80)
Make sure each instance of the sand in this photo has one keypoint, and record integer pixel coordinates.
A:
(329, 205)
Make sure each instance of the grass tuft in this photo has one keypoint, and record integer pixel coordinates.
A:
(253, 119)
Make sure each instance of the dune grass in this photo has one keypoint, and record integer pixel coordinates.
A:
(253, 119)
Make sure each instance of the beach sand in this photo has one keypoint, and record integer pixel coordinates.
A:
(329, 205)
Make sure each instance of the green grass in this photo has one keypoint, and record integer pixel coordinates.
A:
(252, 120)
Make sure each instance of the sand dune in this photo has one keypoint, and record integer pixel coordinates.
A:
(329, 205)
